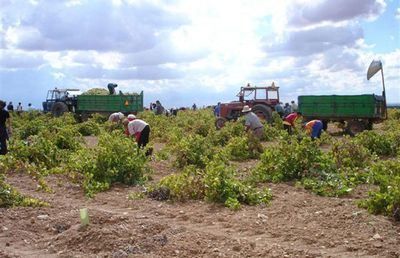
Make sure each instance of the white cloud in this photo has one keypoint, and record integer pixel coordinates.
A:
(316, 40)
(333, 11)
(20, 60)
(205, 47)
(397, 15)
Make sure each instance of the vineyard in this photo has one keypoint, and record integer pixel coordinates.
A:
(203, 192)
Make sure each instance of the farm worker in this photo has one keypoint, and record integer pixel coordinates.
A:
(287, 109)
(10, 107)
(116, 117)
(217, 109)
(159, 109)
(19, 108)
(111, 88)
(253, 122)
(294, 106)
(138, 128)
(289, 121)
(279, 109)
(314, 127)
(30, 107)
(131, 117)
(4, 130)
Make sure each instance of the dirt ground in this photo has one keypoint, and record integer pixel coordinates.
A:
(296, 224)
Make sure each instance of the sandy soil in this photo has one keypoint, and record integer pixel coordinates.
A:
(296, 224)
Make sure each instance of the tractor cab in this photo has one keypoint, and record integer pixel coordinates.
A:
(256, 94)
(261, 99)
(61, 99)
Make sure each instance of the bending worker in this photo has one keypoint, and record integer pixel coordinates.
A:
(116, 117)
(290, 120)
(138, 128)
(314, 127)
(253, 122)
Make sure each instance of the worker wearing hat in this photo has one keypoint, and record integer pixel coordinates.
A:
(116, 117)
(252, 122)
(131, 117)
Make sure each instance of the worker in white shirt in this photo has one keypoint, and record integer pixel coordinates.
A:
(139, 129)
(116, 117)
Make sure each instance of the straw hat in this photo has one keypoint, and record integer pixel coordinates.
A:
(121, 115)
(246, 109)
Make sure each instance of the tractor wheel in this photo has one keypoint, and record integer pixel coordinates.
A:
(369, 125)
(354, 127)
(59, 108)
(263, 112)
(220, 122)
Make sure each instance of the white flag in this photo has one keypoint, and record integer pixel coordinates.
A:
(374, 67)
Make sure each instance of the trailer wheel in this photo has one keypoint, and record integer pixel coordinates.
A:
(263, 112)
(220, 122)
(59, 108)
(354, 127)
(369, 125)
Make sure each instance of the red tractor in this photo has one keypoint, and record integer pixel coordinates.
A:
(261, 100)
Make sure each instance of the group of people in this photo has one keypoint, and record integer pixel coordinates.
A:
(19, 109)
(157, 108)
(313, 127)
(5, 122)
(253, 123)
(284, 111)
(134, 127)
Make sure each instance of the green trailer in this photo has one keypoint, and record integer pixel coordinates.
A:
(355, 112)
(60, 101)
(107, 104)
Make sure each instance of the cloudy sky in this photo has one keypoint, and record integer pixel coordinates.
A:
(184, 52)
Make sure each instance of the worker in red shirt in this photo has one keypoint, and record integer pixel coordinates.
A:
(290, 120)
(314, 128)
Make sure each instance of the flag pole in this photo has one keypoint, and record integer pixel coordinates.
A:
(384, 92)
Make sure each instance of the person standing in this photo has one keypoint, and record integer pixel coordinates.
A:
(159, 109)
(252, 122)
(194, 106)
(287, 109)
(294, 106)
(10, 107)
(5, 128)
(30, 107)
(139, 129)
(289, 121)
(217, 109)
(314, 128)
(279, 109)
(19, 108)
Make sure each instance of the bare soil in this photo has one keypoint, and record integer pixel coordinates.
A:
(296, 224)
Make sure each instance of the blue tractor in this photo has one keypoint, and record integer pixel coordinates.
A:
(59, 101)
